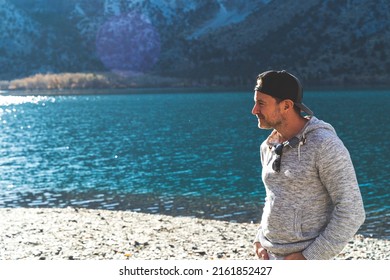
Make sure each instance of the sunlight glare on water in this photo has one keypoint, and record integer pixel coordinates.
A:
(7, 100)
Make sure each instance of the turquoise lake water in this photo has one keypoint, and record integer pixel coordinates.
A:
(192, 154)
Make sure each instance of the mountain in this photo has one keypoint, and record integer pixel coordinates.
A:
(211, 42)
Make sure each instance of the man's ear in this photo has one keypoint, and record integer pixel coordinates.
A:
(288, 104)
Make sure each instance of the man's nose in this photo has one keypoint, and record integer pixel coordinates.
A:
(255, 110)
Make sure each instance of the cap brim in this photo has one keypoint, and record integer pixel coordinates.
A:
(304, 108)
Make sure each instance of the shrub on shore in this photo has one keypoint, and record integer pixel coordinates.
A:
(89, 80)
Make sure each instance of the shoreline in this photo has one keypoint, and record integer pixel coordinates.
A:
(118, 91)
(164, 89)
(89, 234)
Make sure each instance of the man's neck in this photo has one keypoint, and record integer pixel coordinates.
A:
(291, 128)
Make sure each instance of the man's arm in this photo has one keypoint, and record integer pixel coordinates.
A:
(337, 174)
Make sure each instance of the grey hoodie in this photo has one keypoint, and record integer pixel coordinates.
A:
(313, 205)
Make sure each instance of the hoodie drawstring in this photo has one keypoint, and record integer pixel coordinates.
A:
(303, 140)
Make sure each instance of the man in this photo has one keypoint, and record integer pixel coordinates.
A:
(313, 205)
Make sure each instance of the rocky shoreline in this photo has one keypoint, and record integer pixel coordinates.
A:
(85, 234)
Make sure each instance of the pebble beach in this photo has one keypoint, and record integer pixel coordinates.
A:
(86, 234)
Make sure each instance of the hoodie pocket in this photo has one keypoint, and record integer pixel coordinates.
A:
(282, 223)
(298, 223)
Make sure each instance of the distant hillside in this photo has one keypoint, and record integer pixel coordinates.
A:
(213, 42)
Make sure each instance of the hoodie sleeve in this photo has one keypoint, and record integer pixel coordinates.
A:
(337, 174)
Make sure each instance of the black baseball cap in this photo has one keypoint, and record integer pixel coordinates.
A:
(283, 85)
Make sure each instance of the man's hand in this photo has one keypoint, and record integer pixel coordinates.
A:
(261, 253)
(295, 256)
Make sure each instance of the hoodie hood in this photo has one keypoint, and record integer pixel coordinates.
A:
(312, 125)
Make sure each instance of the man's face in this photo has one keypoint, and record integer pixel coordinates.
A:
(267, 111)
